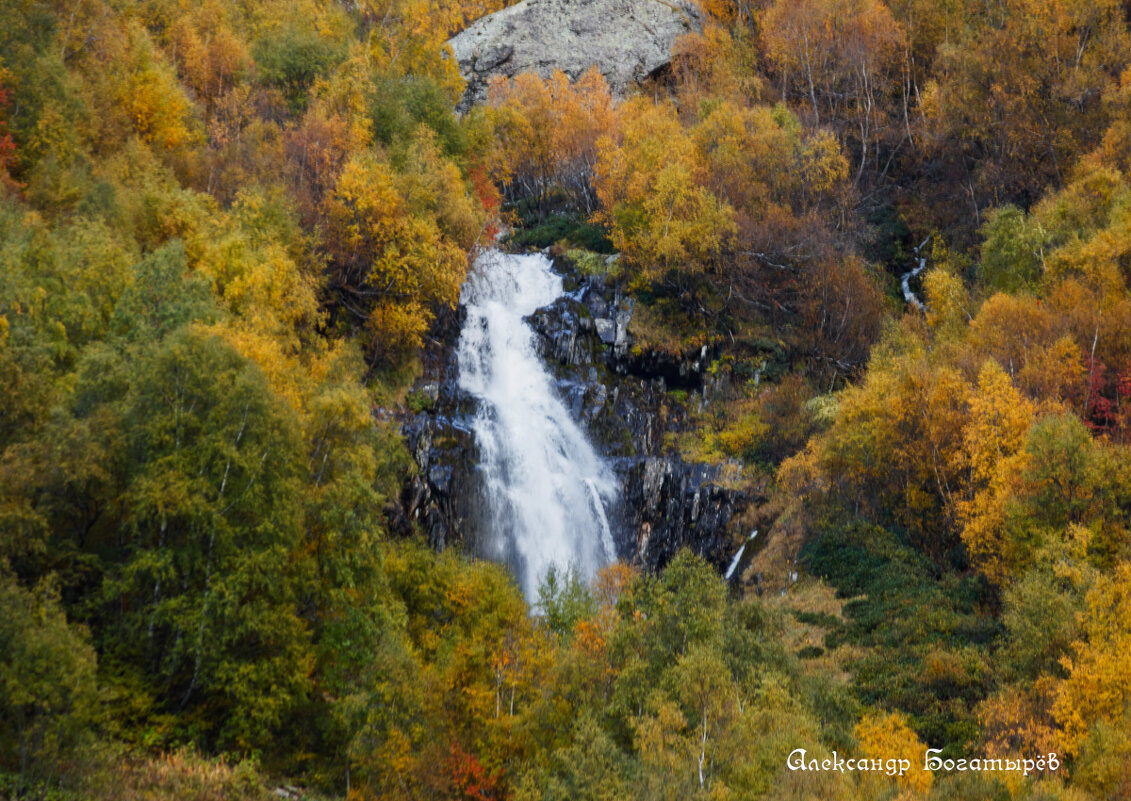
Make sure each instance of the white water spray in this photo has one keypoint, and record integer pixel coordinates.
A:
(547, 488)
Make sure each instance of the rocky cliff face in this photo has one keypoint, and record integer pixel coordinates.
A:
(627, 40)
(619, 393)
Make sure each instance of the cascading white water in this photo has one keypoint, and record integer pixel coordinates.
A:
(547, 488)
(738, 556)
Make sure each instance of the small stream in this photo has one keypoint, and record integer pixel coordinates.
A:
(920, 261)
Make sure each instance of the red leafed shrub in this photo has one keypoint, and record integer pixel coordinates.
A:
(7, 145)
(1109, 400)
(470, 780)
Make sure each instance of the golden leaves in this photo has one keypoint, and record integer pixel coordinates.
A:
(890, 737)
(1098, 686)
(650, 183)
(397, 243)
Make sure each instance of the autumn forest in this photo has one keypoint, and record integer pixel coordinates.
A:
(233, 236)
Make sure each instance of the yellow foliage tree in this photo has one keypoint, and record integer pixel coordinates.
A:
(894, 437)
(890, 737)
(391, 264)
(947, 302)
(408, 36)
(650, 183)
(716, 63)
(1098, 686)
(209, 55)
(990, 456)
(999, 420)
(147, 89)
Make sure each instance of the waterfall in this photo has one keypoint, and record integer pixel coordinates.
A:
(738, 556)
(546, 487)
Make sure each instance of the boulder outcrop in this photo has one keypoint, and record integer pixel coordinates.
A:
(628, 40)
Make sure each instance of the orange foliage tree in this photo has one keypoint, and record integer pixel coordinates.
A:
(549, 130)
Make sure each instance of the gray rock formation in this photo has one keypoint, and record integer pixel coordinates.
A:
(627, 40)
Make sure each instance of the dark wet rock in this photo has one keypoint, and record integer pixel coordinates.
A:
(444, 496)
(591, 326)
(686, 370)
(566, 330)
(669, 504)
